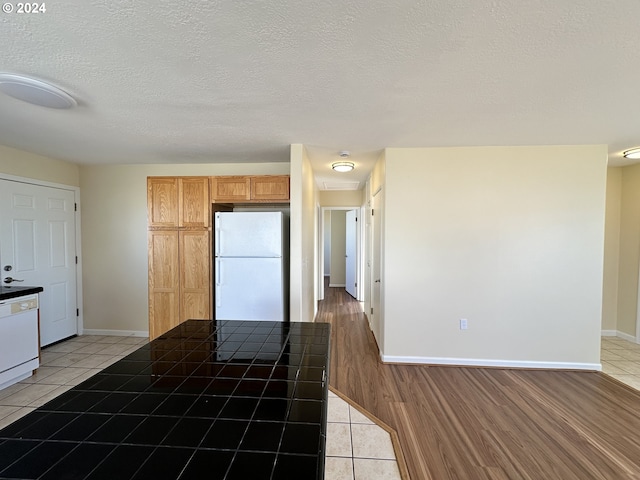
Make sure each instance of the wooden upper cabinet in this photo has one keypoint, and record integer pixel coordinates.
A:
(230, 189)
(178, 202)
(193, 202)
(270, 187)
(162, 201)
(250, 189)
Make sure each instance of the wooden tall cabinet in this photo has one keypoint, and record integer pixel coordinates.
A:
(179, 245)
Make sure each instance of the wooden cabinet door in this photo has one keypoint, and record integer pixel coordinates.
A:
(195, 267)
(230, 189)
(194, 202)
(270, 187)
(162, 202)
(164, 278)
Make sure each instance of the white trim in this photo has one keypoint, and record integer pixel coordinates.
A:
(116, 333)
(626, 336)
(637, 338)
(76, 198)
(473, 362)
(609, 333)
(35, 181)
(337, 285)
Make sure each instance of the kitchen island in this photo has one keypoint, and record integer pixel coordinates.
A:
(208, 399)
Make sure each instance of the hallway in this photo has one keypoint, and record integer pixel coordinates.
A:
(481, 423)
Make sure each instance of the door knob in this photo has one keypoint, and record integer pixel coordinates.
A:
(11, 280)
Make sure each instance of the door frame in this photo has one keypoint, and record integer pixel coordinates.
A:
(360, 236)
(76, 199)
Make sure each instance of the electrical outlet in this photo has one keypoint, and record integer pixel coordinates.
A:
(463, 324)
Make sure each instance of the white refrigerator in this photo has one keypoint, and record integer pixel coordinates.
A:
(250, 266)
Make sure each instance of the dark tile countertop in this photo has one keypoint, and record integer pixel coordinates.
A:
(7, 292)
(216, 400)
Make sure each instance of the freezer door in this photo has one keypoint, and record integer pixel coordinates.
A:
(248, 234)
(249, 289)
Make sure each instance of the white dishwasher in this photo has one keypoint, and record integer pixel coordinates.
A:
(19, 343)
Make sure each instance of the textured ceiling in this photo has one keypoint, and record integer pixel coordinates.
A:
(238, 81)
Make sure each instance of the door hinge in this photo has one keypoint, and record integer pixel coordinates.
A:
(356, 284)
(76, 259)
(372, 212)
(371, 310)
(75, 207)
(77, 312)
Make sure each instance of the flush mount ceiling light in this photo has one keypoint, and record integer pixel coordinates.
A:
(35, 91)
(342, 166)
(633, 154)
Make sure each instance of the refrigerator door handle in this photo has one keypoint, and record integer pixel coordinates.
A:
(218, 277)
(217, 241)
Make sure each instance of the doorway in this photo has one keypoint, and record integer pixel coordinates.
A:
(38, 248)
(340, 254)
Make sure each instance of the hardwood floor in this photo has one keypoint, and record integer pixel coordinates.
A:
(481, 423)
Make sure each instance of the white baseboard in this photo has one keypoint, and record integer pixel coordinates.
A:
(472, 362)
(626, 336)
(116, 333)
(337, 285)
(616, 333)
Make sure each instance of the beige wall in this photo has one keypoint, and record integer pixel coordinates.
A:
(629, 250)
(29, 165)
(304, 243)
(611, 250)
(341, 198)
(510, 238)
(338, 247)
(114, 237)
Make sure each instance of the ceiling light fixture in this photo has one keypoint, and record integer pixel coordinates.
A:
(633, 153)
(35, 91)
(342, 166)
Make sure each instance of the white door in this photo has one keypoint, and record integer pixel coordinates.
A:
(351, 265)
(37, 248)
(376, 270)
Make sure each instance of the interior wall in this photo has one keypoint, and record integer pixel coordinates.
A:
(510, 238)
(29, 165)
(114, 237)
(338, 248)
(629, 250)
(304, 243)
(341, 198)
(611, 250)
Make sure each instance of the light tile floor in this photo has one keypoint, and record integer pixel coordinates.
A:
(621, 360)
(357, 448)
